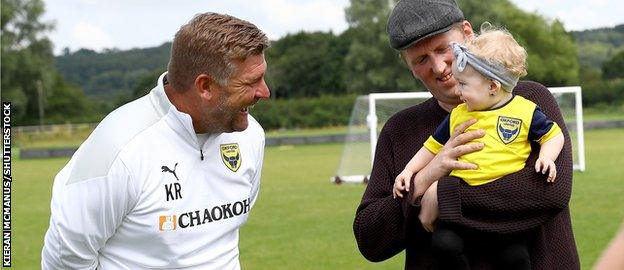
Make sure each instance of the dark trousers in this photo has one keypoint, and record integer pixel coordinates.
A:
(452, 246)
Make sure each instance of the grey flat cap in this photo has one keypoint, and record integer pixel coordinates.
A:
(414, 20)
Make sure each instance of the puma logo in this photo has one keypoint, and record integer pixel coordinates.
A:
(166, 169)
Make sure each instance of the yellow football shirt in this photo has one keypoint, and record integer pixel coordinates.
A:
(509, 130)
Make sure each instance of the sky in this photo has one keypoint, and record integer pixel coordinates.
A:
(126, 24)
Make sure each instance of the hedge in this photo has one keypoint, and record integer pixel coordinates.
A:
(304, 112)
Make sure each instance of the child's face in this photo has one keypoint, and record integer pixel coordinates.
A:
(472, 88)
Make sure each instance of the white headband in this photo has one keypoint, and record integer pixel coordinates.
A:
(493, 71)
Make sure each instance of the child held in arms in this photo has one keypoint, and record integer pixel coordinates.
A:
(487, 69)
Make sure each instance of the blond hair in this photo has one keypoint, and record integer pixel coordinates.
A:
(208, 44)
(498, 46)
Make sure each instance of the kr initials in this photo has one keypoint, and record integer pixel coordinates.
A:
(173, 191)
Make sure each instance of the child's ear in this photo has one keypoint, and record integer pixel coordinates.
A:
(495, 86)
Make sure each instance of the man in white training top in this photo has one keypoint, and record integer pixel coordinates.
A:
(167, 180)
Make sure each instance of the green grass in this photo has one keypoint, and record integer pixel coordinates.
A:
(307, 132)
(57, 137)
(602, 112)
(302, 221)
(597, 199)
(31, 190)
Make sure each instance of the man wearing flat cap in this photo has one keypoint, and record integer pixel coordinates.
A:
(522, 203)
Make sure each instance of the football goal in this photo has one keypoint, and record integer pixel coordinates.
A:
(370, 113)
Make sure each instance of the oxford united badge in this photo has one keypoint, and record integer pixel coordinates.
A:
(508, 128)
(230, 154)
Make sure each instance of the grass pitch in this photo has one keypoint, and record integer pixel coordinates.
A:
(302, 221)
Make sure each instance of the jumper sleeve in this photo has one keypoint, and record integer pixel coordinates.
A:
(85, 214)
(379, 221)
(517, 202)
(255, 188)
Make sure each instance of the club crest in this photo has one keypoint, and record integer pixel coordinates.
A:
(230, 154)
(508, 128)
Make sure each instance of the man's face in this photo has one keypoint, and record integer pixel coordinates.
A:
(430, 61)
(245, 87)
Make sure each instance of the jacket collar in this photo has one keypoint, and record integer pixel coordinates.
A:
(159, 98)
(180, 122)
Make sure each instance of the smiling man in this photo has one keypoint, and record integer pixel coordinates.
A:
(167, 180)
(520, 203)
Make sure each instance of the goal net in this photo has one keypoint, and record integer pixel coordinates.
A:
(370, 113)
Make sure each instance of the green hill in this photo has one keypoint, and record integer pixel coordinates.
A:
(598, 45)
(114, 75)
(112, 72)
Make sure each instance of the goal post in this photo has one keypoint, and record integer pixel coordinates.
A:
(370, 112)
(570, 102)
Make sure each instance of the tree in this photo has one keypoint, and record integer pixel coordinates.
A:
(552, 51)
(112, 72)
(142, 87)
(306, 65)
(29, 79)
(26, 57)
(68, 102)
(371, 65)
(614, 68)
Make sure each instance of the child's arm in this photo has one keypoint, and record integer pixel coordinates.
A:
(419, 161)
(548, 153)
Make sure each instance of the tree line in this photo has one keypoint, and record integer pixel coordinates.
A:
(85, 85)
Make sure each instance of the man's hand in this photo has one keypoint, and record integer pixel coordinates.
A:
(458, 145)
(446, 160)
(429, 208)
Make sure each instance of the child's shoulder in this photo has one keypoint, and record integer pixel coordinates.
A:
(461, 108)
(522, 101)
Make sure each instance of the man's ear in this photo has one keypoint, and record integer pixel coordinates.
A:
(467, 29)
(205, 86)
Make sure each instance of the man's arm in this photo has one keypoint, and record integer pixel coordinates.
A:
(382, 224)
(379, 221)
(84, 215)
(611, 257)
(255, 188)
(446, 158)
(517, 202)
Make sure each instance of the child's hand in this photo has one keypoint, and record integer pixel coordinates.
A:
(544, 165)
(402, 183)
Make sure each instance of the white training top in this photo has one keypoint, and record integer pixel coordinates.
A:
(142, 193)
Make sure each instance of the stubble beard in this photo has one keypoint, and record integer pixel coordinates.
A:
(226, 117)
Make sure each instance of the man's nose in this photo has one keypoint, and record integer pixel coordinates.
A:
(438, 65)
(263, 90)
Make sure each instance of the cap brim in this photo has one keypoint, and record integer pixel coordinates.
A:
(430, 34)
